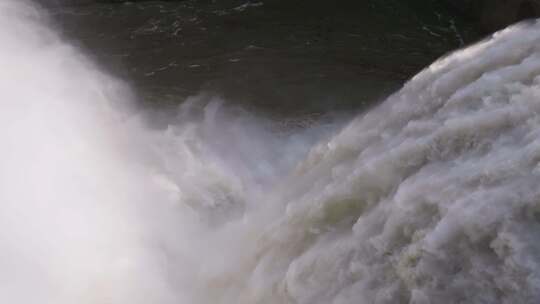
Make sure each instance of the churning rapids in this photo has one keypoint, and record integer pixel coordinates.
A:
(431, 197)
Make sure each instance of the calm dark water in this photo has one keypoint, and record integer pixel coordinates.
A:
(288, 58)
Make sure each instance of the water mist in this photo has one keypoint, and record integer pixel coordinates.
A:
(432, 197)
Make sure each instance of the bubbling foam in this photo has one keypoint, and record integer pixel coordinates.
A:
(432, 197)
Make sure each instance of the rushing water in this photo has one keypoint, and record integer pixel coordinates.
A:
(431, 197)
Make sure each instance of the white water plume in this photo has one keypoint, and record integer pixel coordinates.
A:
(432, 197)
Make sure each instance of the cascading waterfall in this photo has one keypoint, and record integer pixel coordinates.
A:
(431, 197)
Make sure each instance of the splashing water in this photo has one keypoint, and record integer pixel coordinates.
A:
(432, 197)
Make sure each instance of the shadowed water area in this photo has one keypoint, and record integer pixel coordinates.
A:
(292, 58)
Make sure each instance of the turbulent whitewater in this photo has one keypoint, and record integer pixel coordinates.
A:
(431, 197)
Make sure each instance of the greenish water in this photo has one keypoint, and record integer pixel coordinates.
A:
(289, 58)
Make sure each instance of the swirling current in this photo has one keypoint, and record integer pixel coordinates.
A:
(430, 197)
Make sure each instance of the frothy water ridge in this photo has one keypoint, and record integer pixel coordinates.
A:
(432, 197)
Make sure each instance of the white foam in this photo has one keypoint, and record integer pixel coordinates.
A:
(432, 197)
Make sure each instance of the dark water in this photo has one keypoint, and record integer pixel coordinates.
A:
(292, 58)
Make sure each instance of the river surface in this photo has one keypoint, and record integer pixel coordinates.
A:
(288, 58)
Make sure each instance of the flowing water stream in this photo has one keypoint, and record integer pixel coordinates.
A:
(430, 197)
